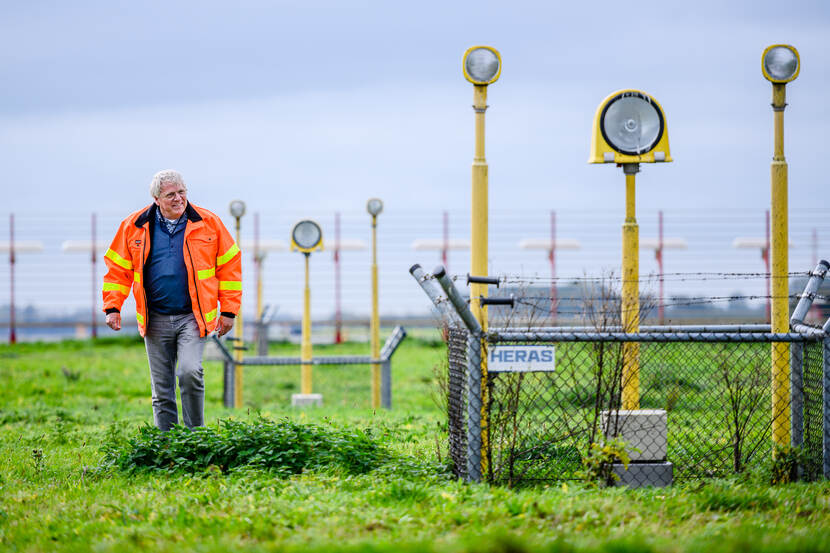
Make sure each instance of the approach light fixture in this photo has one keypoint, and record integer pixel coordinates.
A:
(482, 65)
(374, 206)
(237, 208)
(306, 237)
(780, 63)
(629, 127)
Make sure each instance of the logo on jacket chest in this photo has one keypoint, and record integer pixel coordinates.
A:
(137, 243)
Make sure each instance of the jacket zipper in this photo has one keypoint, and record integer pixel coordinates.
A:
(195, 287)
(143, 291)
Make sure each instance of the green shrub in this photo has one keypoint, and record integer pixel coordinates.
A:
(283, 447)
(599, 460)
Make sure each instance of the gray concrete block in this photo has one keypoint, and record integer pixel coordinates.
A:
(306, 400)
(643, 429)
(638, 475)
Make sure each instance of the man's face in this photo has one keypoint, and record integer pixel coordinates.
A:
(172, 200)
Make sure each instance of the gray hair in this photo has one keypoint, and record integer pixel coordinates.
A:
(168, 176)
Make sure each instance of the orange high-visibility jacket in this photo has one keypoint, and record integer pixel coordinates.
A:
(212, 258)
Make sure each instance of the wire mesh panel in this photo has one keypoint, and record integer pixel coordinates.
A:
(535, 432)
(457, 398)
(716, 396)
(813, 410)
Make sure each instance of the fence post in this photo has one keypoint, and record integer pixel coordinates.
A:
(386, 384)
(797, 386)
(474, 407)
(12, 329)
(94, 260)
(392, 343)
(262, 336)
(229, 376)
(474, 391)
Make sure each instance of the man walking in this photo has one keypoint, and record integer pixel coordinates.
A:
(180, 260)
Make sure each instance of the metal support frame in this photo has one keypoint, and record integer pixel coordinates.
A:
(779, 255)
(239, 346)
(630, 298)
(385, 361)
(809, 294)
(374, 321)
(435, 293)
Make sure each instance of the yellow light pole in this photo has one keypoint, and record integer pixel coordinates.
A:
(482, 67)
(629, 129)
(780, 64)
(306, 237)
(237, 209)
(374, 206)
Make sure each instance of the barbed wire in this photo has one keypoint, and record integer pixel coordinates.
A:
(685, 303)
(735, 297)
(667, 277)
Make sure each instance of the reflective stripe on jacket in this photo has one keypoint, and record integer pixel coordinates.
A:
(212, 258)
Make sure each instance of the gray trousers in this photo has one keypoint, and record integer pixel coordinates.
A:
(172, 338)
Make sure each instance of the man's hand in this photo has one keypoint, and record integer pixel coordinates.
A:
(114, 320)
(224, 325)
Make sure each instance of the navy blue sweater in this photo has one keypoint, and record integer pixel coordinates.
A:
(165, 274)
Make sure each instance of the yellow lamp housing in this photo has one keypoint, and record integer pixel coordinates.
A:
(306, 237)
(629, 127)
(481, 65)
(780, 63)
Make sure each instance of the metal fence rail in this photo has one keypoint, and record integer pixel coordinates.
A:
(392, 343)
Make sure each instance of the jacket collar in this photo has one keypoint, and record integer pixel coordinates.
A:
(150, 213)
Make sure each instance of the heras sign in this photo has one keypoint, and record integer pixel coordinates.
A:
(521, 359)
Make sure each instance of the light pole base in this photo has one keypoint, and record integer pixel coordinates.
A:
(640, 475)
(305, 400)
(644, 432)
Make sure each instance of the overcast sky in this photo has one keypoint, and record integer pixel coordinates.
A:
(320, 105)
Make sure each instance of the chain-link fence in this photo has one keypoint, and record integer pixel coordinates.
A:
(815, 408)
(716, 396)
(705, 397)
(457, 398)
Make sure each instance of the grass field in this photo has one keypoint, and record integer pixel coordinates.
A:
(61, 403)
